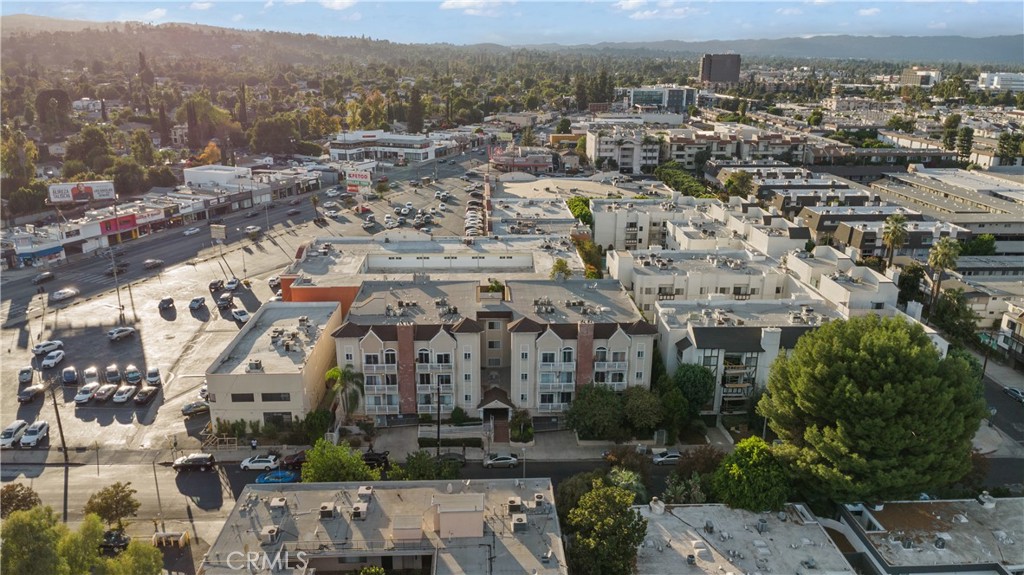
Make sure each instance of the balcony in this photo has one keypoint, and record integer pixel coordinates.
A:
(433, 367)
(381, 409)
(380, 368)
(610, 366)
(737, 368)
(378, 389)
(553, 407)
(616, 386)
(431, 408)
(556, 386)
(432, 388)
(737, 389)
(558, 366)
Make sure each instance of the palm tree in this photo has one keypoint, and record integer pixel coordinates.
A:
(942, 257)
(347, 383)
(894, 234)
(315, 200)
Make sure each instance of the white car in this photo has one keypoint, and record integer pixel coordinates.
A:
(63, 294)
(333, 193)
(86, 392)
(153, 376)
(330, 205)
(191, 231)
(90, 375)
(48, 346)
(119, 333)
(264, 462)
(253, 229)
(240, 315)
(125, 393)
(35, 434)
(408, 205)
(404, 211)
(332, 213)
(52, 359)
(13, 433)
(232, 284)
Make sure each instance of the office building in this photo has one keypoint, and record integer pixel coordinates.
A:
(719, 69)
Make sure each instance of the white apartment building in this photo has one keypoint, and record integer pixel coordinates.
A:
(639, 224)
(525, 344)
(626, 148)
(273, 370)
(729, 141)
(1001, 81)
(852, 289)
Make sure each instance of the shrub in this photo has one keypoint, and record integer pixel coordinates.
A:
(426, 442)
(271, 431)
(426, 418)
(254, 427)
(459, 416)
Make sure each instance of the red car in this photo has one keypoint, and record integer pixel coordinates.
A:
(382, 180)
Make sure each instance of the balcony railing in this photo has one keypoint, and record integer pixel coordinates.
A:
(381, 409)
(737, 389)
(556, 386)
(380, 368)
(432, 388)
(377, 389)
(737, 368)
(550, 407)
(617, 386)
(432, 408)
(433, 367)
(609, 366)
(558, 366)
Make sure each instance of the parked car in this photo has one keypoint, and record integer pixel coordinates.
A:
(500, 460)
(1015, 392)
(43, 278)
(274, 282)
(112, 374)
(195, 408)
(251, 214)
(197, 303)
(145, 395)
(194, 462)
(105, 391)
(132, 375)
(295, 202)
(90, 375)
(451, 457)
(29, 394)
(191, 231)
(225, 300)
(166, 302)
(63, 294)
(12, 433)
(35, 434)
(119, 333)
(377, 460)
(69, 376)
(216, 285)
(125, 393)
(253, 230)
(332, 193)
(150, 264)
(26, 375)
(86, 392)
(294, 461)
(153, 376)
(264, 462)
(667, 457)
(232, 284)
(48, 346)
(240, 315)
(279, 476)
(114, 541)
(52, 359)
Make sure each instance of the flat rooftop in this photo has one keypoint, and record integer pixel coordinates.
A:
(944, 197)
(565, 188)
(680, 262)
(276, 336)
(540, 217)
(749, 313)
(972, 533)
(723, 540)
(447, 302)
(501, 526)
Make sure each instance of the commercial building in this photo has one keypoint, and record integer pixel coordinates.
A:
(920, 77)
(719, 69)
(381, 146)
(272, 372)
(661, 97)
(495, 526)
(488, 347)
(976, 536)
(532, 160)
(1001, 81)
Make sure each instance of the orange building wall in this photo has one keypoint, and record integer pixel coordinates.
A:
(344, 295)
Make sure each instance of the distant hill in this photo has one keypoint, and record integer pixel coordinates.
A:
(42, 34)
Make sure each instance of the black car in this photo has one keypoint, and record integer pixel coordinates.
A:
(377, 460)
(119, 268)
(294, 461)
(294, 212)
(145, 395)
(193, 462)
(216, 221)
(167, 302)
(451, 457)
(216, 285)
(252, 214)
(114, 541)
(43, 277)
(29, 394)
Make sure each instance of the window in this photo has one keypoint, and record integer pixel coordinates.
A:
(601, 354)
(242, 397)
(524, 355)
(467, 356)
(390, 379)
(368, 380)
(618, 377)
(467, 377)
(618, 356)
(494, 325)
(494, 344)
(443, 358)
(524, 376)
(547, 377)
(639, 376)
(600, 376)
(275, 397)
(371, 359)
(522, 397)
(348, 353)
(567, 355)
(390, 357)
(494, 362)
(547, 398)
(277, 418)
(467, 398)
(640, 352)
(547, 357)
(423, 356)
(423, 379)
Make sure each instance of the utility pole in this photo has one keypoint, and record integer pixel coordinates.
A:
(438, 416)
(63, 443)
(117, 284)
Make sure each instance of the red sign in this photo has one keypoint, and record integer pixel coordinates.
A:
(120, 224)
(353, 188)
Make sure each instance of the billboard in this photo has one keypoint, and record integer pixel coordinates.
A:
(359, 177)
(81, 192)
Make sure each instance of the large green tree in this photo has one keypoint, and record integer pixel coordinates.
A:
(867, 409)
(30, 541)
(965, 142)
(697, 383)
(142, 148)
(570, 491)
(114, 503)
(751, 478)
(909, 283)
(17, 497)
(606, 532)
(328, 462)
(642, 409)
(91, 147)
(596, 413)
(18, 156)
(740, 183)
(276, 135)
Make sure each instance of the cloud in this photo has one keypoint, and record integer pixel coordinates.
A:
(490, 8)
(868, 12)
(937, 26)
(294, 1)
(789, 11)
(201, 5)
(667, 14)
(154, 14)
(630, 4)
(237, 18)
(337, 4)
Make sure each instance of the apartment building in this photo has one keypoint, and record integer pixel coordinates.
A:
(627, 148)
(272, 372)
(488, 347)
(639, 224)
(729, 141)
(823, 221)
(866, 238)
(989, 284)
(495, 526)
(851, 289)
(1011, 333)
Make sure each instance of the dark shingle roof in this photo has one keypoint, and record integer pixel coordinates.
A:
(800, 233)
(525, 325)
(734, 339)
(791, 334)
(565, 330)
(467, 325)
(349, 329)
(684, 344)
(640, 327)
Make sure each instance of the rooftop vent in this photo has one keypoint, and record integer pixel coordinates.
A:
(278, 504)
(515, 505)
(269, 535)
(255, 365)
(328, 510)
(359, 511)
(519, 524)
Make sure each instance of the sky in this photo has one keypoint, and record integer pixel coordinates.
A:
(524, 22)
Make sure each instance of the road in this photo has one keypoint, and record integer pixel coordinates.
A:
(1009, 416)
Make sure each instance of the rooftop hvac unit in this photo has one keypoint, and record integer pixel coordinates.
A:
(365, 493)
(278, 504)
(269, 535)
(519, 524)
(538, 498)
(359, 511)
(515, 505)
(255, 365)
(328, 510)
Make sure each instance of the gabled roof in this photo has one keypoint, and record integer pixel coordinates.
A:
(640, 327)
(385, 332)
(349, 329)
(426, 332)
(731, 339)
(605, 330)
(525, 325)
(683, 344)
(792, 333)
(565, 330)
(495, 395)
(467, 325)
(800, 233)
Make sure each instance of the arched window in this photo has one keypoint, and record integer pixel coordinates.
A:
(390, 357)
(601, 354)
(423, 356)
(567, 355)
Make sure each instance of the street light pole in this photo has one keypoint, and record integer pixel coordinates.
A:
(438, 415)
(524, 463)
